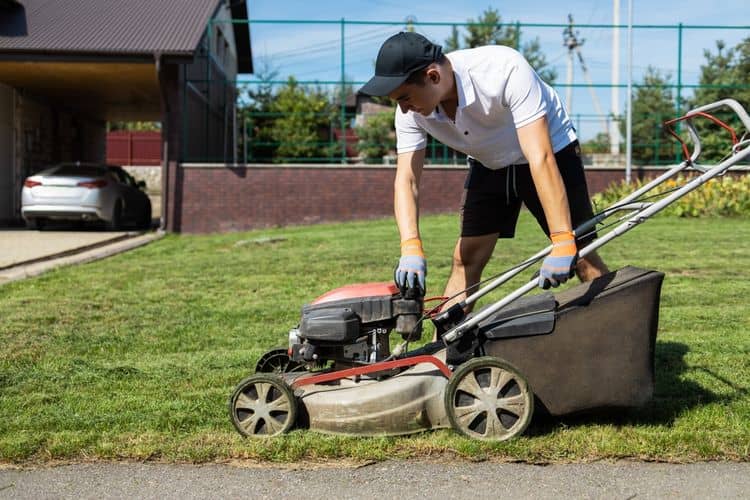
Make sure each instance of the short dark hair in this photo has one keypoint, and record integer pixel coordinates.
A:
(418, 77)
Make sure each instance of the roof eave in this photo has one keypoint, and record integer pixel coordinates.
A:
(94, 56)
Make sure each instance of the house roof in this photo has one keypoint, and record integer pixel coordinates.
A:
(114, 27)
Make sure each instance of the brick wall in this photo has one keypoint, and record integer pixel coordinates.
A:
(218, 199)
(228, 199)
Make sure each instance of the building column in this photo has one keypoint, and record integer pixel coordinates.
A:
(171, 135)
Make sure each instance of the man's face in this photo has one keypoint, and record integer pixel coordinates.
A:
(421, 99)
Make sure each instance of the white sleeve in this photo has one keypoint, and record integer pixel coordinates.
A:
(524, 94)
(409, 135)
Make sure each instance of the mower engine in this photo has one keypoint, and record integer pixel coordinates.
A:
(352, 324)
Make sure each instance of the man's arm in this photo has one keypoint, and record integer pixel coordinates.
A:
(411, 271)
(406, 193)
(537, 148)
(559, 265)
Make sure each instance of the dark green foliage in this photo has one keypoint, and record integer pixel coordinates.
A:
(726, 196)
(726, 74)
(290, 122)
(653, 103)
(134, 126)
(303, 116)
(256, 117)
(599, 144)
(488, 29)
(376, 137)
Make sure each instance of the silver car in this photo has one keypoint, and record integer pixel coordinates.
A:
(85, 192)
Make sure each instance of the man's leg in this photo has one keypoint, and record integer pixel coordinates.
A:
(590, 267)
(469, 258)
(571, 170)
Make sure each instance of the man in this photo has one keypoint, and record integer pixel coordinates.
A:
(488, 103)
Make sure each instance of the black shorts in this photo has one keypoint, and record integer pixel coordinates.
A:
(492, 198)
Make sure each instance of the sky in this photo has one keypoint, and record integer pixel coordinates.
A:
(312, 51)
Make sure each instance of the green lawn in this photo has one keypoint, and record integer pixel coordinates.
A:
(134, 356)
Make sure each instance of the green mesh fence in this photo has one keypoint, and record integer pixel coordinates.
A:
(289, 113)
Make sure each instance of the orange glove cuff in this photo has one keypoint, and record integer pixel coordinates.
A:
(412, 246)
(563, 243)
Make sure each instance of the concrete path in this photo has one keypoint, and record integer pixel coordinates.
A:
(25, 253)
(396, 479)
(22, 245)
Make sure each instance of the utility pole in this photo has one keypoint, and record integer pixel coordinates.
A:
(570, 40)
(614, 130)
(629, 122)
(410, 20)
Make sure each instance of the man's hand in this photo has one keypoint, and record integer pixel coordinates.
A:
(560, 264)
(411, 271)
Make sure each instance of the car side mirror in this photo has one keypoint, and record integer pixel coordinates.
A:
(141, 184)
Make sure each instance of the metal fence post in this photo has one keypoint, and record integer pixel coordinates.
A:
(184, 115)
(209, 34)
(343, 95)
(678, 106)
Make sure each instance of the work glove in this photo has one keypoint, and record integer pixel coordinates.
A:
(411, 271)
(560, 264)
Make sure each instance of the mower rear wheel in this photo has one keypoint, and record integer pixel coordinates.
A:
(488, 398)
(276, 361)
(263, 405)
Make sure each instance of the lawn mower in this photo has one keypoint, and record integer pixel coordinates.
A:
(587, 347)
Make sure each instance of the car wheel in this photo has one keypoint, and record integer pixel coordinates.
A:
(35, 224)
(144, 219)
(116, 223)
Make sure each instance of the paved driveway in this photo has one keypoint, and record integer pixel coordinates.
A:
(18, 245)
(21, 245)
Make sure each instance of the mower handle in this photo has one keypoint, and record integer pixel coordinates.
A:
(734, 105)
(702, 111)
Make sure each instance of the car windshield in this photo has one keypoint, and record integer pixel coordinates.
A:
(75, 171)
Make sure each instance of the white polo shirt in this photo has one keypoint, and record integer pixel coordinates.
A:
(498, 92)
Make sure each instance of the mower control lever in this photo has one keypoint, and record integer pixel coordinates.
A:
(448, 318)
(412, 293)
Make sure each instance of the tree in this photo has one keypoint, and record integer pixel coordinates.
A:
(452, 43)
(728, 74)
(256, 116)
(488, 29)
(302, 115)
(377, 137)
(134, 126)
(599, 144)
(653, 103)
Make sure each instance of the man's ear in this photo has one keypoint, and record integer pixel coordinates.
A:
(433, 75)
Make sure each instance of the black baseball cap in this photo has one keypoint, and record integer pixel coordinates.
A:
(400, 56)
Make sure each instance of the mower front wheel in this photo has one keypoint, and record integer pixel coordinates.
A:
(487, 398)
(263, 405)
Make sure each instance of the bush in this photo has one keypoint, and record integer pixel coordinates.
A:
(720, 197)
(303, 113)
(376, 137)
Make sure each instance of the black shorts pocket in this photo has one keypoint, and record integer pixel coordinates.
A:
(482, 179)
